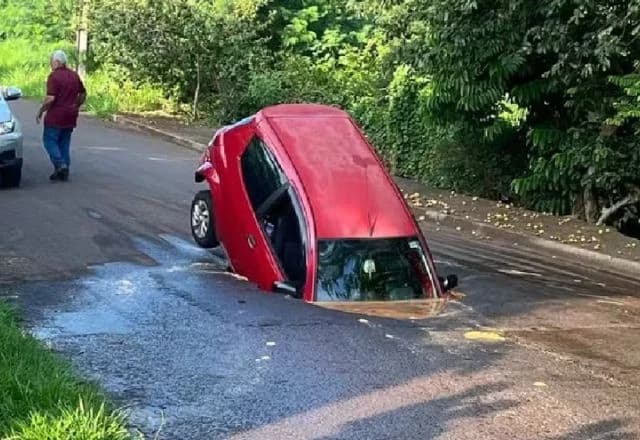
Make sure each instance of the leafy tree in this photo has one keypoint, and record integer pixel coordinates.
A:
(551, 58)
(187, 46)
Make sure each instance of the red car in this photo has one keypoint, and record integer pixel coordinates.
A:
(300, 203)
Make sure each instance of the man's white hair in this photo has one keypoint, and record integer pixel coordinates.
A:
(60, 57)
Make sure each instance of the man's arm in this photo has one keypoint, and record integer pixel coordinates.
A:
(52, 91)
(82, 96)
(46, 105)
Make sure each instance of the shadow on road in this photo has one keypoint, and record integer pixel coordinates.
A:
(604, 430)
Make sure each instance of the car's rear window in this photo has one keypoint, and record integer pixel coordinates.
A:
(372, 270)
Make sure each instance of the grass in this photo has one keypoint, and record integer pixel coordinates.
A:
(42, 399)
(24, 64)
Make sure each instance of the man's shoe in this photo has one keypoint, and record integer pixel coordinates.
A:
(55, 176)
(64, 174)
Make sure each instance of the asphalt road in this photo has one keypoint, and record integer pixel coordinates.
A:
(105, 272)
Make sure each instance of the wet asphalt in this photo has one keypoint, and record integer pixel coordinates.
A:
(105, 272)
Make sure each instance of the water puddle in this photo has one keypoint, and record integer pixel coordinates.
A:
(83, 323)
(119, 296)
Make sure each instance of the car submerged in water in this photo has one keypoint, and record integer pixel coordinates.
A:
(300, 203)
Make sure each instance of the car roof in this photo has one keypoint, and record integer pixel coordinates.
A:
(350, 193)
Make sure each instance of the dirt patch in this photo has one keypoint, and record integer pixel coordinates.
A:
(509, 218)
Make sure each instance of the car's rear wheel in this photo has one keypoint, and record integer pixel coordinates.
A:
(11, 177)
(202, 224)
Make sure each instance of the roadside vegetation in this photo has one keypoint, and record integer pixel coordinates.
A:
(531, 103)
(24, 64)
(41, 398)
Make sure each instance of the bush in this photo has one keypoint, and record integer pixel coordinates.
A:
(110, 90)
(295, 80)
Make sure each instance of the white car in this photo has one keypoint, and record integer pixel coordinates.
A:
(10, 140)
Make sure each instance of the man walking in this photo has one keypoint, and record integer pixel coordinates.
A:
(65, 95)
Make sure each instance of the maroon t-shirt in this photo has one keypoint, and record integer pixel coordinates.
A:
(65, 85)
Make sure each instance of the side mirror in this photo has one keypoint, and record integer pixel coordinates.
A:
(450, 283)
(12, 94)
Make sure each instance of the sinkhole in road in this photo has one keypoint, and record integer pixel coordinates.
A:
(117, 297)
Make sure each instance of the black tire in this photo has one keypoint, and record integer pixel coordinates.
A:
(11, 177)
(202, 223)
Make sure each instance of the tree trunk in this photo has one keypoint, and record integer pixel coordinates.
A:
(196, 95)
(590, 206)
(578, 207)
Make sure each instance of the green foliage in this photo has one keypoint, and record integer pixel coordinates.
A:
(302, 25)
(562, 63)
(25, 65)
(80, 423)
(297, 80)
(111, 88)
(39, 20)
(40, 397)
(187, 46)
(628, 105)
(534, 100)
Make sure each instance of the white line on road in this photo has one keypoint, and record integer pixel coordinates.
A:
(519, 272)
(102, 148)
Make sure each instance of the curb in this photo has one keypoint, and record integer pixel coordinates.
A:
(614, 263)
(632, 267)
(588, 256)
(171, 137)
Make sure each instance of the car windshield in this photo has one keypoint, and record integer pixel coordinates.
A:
(5, 113)
(372, 270)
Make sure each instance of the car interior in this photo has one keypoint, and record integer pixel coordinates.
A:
(276, 209)
(282, 225)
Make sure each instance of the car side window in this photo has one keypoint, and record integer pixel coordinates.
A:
(277, 209)
(262, 174)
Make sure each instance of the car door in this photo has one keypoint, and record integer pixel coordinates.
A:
(253, 178)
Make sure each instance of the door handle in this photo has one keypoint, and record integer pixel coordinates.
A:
(251, 241)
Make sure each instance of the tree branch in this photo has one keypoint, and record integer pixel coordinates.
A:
(632, 198)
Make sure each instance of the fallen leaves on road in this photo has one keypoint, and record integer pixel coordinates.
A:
(505, 216)
(484, 336)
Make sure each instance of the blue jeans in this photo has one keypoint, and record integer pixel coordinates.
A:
(57, 142)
